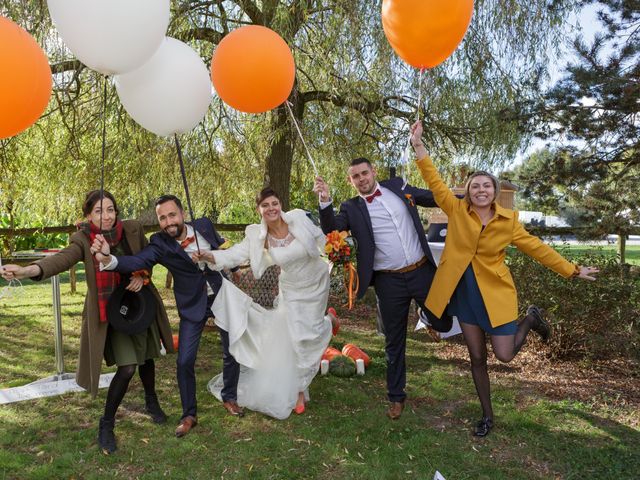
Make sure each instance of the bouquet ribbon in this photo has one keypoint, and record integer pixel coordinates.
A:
(351, 283)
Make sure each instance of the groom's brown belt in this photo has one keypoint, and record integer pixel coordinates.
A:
(408, 268)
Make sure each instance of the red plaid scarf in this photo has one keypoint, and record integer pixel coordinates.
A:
(106, 281)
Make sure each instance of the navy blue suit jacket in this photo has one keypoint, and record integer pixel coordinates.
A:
(189, 282)
(354, 216)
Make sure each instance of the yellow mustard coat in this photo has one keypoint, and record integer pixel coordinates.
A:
(466, 243)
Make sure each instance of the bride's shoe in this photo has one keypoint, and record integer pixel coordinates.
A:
(335, 321)
(300, 404)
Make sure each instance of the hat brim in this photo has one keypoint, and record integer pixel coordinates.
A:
(131, 312)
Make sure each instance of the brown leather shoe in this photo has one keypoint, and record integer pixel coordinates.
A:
(395, 410)
(233, 408)
(185, 426)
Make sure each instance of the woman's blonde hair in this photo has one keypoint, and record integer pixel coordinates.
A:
(481, 173)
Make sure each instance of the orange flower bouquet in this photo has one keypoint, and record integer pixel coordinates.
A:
(341, 250)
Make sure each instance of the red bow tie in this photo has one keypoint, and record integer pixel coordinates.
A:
(187, 241)
(375, 194)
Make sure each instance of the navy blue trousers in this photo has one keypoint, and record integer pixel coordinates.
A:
(395, 292)
(189, 341)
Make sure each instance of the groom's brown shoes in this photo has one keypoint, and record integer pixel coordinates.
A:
(395, 410)
(233, 408)
(185, 426)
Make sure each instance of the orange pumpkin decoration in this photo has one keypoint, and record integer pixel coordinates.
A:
(330, 352)
(351, 351)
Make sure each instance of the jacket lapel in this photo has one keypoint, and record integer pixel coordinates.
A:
(362, 206)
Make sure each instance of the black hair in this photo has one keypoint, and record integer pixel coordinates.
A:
(94, 197)
(266, 193)
(169, 198)
(359, 160)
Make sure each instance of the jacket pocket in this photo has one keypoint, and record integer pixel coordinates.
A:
(502, 271)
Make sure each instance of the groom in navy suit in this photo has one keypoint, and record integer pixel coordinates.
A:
(392, 254)
(195, 287)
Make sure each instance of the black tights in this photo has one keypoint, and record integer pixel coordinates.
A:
(120, 383)
(505, 348)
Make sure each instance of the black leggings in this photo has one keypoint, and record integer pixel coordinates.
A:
(120, 384)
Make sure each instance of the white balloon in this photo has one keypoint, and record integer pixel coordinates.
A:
(111, 36)
(169, 94)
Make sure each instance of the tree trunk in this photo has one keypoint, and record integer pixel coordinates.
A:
(280, 157)
(622, 244)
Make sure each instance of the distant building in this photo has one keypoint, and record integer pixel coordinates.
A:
(540, 219)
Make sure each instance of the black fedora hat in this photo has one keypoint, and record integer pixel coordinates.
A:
(442, 324)
(131, 312)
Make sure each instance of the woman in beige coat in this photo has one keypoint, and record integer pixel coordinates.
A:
(98, 339)
(472, 280)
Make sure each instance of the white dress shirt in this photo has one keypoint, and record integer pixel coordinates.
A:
(394, 234)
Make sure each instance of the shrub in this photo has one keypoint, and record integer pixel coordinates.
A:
(590, 319)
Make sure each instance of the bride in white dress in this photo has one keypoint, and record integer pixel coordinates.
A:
(279, 349)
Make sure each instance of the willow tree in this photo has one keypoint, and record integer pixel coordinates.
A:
(352, 96)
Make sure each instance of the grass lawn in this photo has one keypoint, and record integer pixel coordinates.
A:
(343, 434)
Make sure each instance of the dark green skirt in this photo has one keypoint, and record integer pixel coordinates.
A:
(121, 349)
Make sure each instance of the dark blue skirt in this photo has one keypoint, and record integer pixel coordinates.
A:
(467, 304)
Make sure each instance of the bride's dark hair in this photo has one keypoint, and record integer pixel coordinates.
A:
(266, 193)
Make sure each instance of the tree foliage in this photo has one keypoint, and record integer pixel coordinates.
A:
(594, 111)
(352, 97)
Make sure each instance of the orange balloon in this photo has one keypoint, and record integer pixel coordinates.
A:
(424, 33)
(25, 79)
(252, 69)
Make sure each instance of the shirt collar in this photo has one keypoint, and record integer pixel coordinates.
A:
(364, 197)
(189, 232)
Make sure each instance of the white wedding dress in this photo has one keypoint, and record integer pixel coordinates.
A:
(279, 349)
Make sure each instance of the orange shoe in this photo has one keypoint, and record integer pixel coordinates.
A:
(335, 321)
(299, 409)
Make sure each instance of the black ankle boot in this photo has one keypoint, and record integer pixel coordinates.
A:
(483, 427)
(152, 407)
(540, 324)
(106, 437)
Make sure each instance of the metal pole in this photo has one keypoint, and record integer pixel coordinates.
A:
(55, 290)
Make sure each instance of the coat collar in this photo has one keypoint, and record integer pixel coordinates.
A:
(500, 210)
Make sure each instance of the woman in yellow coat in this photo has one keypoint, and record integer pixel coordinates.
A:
(472, 281)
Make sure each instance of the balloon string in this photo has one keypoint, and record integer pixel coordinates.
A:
(104, 143)
(186, 185)
(295, 122)
(407, 150)
(304, 144)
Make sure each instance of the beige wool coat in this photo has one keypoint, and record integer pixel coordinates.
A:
(94, 333)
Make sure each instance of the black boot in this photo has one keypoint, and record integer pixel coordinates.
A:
(540, 324)
(152, 407)
(106, 437)
(483, 427)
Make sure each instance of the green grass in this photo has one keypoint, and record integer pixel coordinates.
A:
(343, 434)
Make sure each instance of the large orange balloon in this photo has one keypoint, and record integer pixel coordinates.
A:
(425, 32)
(25, 79)
(252, 69)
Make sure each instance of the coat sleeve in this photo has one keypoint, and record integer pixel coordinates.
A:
(233, 256)
(422, 196)
(61, 261)
(145, 259)
(540, 251)
(329, 221)
(445, 199)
